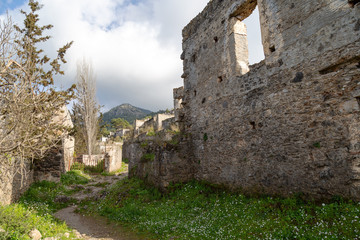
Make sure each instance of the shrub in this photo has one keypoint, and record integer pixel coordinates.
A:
(74, 177)
(18, 220)
(148, 157)
(77, 166)
(99, 168)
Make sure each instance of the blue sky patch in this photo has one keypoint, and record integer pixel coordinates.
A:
(10, 5)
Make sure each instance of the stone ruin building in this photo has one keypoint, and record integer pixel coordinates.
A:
(289, 124)
(57, 161)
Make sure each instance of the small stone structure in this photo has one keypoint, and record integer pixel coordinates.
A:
(122, 132)
(288, 124)
(111, 154)
(153, 124)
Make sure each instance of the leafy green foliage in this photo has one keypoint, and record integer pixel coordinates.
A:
(78, 166)
(317, 145)
(36, 206)
(151, 132)
(18, 220)
(119, 123)
(99, 168)
(205, 137)
(199, 211)
(42, 195)
(148, 157)
(75, 177)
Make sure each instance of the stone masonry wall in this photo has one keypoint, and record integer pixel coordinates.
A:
(157, 160)
(113, 158)
(288, 124)
(13, 183)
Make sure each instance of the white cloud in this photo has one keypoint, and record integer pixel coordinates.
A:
(134, 46)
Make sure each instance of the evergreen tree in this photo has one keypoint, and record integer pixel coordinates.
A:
(29, 101)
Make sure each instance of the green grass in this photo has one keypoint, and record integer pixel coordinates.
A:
(34, 209)
(75, 177)
(148, 157)
(41, 195)
(18, 220)
(123, 169)
(99, 168)
(198, 211)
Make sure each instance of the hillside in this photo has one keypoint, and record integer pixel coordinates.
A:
(127, 112)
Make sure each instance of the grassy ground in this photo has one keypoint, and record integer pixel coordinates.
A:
(197, 211)
(189, 211)
(35, 208)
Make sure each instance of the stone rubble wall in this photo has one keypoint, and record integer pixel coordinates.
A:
(153, 124)
(13, 183)
(157, 157)
(288, 124)
(157, 161)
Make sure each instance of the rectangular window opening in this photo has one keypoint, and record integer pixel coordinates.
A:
(255, 47)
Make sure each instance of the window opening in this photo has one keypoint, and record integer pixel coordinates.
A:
(245, 44)
(353, 2)
(256, 50)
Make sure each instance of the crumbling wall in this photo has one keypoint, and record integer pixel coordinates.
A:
(156, 154)
(14, 181)
(50, 167)
(288, 124)
(157, 160)
(113, 158)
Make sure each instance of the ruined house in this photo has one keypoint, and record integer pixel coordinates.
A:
(289, 124)
(57, 161)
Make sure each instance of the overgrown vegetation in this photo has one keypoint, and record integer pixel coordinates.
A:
(41, 195)
(124, 168)
(18, 220)
(75, 177)
(98, 168)
(198, 211)
(35, 208)
(148, 157)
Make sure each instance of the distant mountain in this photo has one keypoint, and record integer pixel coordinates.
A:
(127, 112)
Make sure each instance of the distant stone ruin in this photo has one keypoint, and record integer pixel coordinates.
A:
(289, 124)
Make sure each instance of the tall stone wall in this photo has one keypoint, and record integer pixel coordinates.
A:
(288, 124)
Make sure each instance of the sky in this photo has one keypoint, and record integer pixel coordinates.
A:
(134, 45)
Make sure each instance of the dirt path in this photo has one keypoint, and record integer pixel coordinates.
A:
(88, 227)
